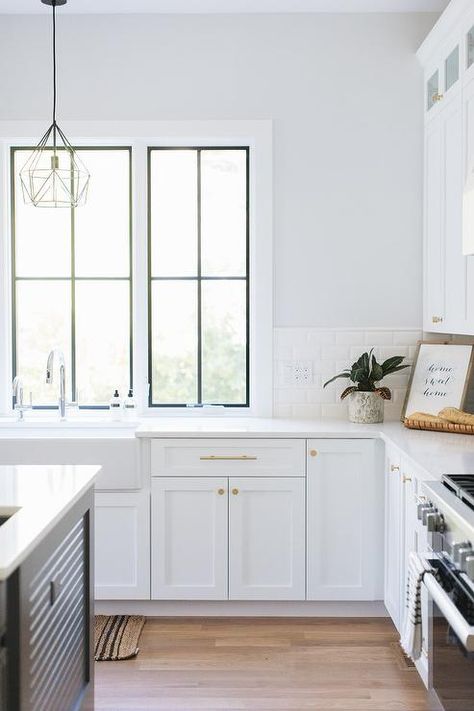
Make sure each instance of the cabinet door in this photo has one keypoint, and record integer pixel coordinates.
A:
(122, 546)
(409, 530)
(267, 538)
(444, 264)
(344, 521)
(189, 538)
(433, 262)
(468, 109)
(414, 539)
(455, 262)
(393, 535)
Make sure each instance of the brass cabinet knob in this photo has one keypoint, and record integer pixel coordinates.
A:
(437, 319)
(436, 97)
(394, 468)
(313, 452)
(221, 492)
(235, 492)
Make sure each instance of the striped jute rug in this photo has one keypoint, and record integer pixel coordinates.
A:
(116, 636)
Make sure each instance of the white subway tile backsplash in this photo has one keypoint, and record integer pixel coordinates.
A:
(382, 338)
(350, 338)
(337, 411)
(335, 352)
(284, 411)
(388, 351)
(330, 351)
(306, 412)
(405, 338)
(323, 338)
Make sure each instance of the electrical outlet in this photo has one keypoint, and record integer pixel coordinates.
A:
(297, 372)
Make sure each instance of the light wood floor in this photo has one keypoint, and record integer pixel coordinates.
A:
(263, 665)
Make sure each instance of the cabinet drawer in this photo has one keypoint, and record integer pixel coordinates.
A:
(228, 457)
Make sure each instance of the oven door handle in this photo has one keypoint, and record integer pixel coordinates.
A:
(463, 630)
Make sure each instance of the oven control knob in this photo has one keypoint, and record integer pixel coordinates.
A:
(421, 508)
(434, 522)
(464, 553)
(457, 548)
(468, 567)
(428, 511)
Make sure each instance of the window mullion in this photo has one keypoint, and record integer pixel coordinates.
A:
(199, 290)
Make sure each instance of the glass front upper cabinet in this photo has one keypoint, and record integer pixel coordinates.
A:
(470, 47)
(432, 91)
(451, 69)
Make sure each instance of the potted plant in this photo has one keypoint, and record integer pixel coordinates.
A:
(366, 398)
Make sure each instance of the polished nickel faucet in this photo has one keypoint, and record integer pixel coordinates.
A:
(62, 378)
(17, 392)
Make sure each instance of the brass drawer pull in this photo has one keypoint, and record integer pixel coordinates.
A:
(227, 458)
(394, 468)
(235, 492)
(436, 97)
(406, 478)
(221, 492)
(437, 319)
(313, 452)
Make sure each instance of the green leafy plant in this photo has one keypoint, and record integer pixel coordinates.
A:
(366, 373)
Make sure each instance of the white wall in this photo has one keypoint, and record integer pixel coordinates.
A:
(345, 95)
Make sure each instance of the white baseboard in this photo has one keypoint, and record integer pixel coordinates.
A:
(198, 608)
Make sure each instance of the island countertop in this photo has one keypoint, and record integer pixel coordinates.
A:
(35, 498)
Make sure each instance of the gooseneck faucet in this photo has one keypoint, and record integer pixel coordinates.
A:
(17, 392)
(62, 378)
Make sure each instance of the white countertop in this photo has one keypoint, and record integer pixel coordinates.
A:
(216, 427)
(435, 452)
(79, 427)
(42, 494)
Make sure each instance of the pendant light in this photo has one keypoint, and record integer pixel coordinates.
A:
(54, 175)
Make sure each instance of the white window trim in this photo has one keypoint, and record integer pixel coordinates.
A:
(255, 134)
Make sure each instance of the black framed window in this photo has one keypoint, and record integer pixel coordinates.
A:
(72, 283)
(198, 273)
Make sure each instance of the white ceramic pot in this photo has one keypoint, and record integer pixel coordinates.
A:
(365, 408)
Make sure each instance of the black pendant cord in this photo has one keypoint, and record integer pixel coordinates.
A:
(54, 76)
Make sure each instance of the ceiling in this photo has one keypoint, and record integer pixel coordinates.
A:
(223, 6)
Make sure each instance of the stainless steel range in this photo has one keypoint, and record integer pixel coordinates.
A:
(449, 517)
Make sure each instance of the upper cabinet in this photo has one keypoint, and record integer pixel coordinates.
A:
(447, 56)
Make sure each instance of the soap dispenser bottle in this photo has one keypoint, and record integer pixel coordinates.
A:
(116, 407)
(130, 407)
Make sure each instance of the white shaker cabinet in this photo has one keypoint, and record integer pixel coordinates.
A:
(444, 264)
(206, 530)
(393, 535)
(267, 538)
(344, 521)
(447, 58)
(404, 534)
(228, 519)
(189, 538)
(122, 545)
(468, 165)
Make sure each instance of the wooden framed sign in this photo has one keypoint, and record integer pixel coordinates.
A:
(440, 378)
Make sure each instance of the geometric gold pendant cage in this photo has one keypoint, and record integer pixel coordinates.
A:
(54, 175)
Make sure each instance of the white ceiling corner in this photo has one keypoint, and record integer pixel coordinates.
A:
(222, 6)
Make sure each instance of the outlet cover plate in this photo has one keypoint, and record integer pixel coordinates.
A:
(297, 372)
